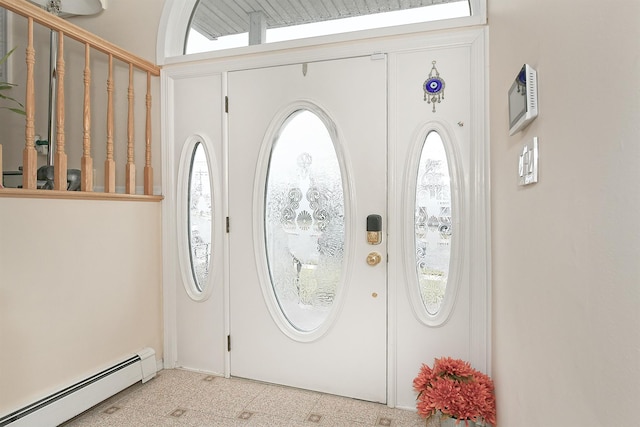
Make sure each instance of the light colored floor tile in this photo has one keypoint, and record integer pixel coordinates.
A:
(402, 418)
(208, 419)
(283, 402)
(179, 398)
(268, 420)
(349, 409)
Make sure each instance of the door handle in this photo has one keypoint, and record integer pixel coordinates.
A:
(374, 258)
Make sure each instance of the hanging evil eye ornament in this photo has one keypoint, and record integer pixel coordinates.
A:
(433, 87)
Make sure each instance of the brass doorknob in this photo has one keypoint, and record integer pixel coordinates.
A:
(374, 258)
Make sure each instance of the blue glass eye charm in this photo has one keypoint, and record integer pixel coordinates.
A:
(433, 87)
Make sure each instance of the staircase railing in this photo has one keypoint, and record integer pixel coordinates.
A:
(91, 42)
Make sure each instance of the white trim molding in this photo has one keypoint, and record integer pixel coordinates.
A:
(173, 27)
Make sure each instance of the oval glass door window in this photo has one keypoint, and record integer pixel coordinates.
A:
(304, 221)
(433, 226)
(200, 214)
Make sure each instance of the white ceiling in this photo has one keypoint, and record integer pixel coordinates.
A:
(216, 18)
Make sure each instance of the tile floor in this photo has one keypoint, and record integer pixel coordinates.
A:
(183, 398)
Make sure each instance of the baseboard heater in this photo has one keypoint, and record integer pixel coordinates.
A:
(77, 398)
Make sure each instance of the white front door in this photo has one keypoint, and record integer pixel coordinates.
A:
(307, 166)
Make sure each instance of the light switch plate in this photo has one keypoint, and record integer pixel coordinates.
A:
(528, 164)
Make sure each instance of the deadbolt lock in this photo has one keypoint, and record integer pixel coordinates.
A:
(374, 229)
(374, 258)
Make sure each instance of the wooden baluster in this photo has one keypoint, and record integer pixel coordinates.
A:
(130, 185)
(148, 170)
(109, 164)
(87, 161)
(60, 160)
(29, 155)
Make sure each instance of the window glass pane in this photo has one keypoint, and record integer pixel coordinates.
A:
(3, 44)
(216, 26)
(433, 226)
(304, 221)
(200, 217)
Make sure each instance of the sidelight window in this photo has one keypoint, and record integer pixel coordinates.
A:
(200, 217)
(434, 227)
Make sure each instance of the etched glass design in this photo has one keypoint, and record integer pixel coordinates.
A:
(200, 217)
(433, 227)
(304, 221)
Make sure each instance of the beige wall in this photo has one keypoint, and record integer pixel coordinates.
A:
(566, 288)
(80, 293)
(132, 25)
(84, 288)
(566, 276)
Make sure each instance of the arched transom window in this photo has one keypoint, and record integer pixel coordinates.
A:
(223, 24)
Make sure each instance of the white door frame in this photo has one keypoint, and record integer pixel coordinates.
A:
(476, 40)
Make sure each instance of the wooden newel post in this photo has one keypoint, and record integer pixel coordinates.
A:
(29, 155)
(110, 164)
(60, 160)
(148, 170)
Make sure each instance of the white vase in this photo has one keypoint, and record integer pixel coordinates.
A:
(441, 420)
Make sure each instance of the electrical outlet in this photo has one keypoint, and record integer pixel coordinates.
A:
(528, 164)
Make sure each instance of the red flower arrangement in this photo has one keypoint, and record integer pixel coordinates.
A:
(457, 390)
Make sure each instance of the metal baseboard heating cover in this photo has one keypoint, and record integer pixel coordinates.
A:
(77, 398)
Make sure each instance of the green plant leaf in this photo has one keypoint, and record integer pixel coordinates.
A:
(8, 98)
(15, 110)
(4, 58)
(5, 86)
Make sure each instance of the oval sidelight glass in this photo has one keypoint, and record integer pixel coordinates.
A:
(433, 226)
(200, 217)
(304, 221)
